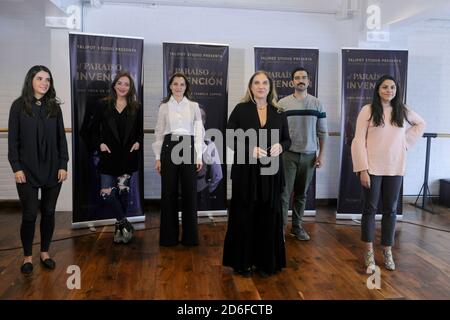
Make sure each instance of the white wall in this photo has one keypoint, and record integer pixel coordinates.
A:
(241, 30)
(429, 94)
(27, 42)
(428, 45)
(60, 68)
(24, 42)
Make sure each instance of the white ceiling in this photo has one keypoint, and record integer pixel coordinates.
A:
(394, 12)
(317, 6)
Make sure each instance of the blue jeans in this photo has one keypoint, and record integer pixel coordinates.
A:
(117, 199)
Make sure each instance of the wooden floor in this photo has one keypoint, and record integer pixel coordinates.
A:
(330, 266)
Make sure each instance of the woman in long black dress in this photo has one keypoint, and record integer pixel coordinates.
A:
(255, 224)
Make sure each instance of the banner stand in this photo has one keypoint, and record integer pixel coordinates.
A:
(206, 67)
(357, 216)
(360, 69)
(95, 59)
(106, 222)
(279, 63)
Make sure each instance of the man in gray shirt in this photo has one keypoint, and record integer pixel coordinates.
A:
(308, 130)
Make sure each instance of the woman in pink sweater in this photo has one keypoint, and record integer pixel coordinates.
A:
(385, 129)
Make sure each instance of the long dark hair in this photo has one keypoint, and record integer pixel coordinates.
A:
(187, 92)
(132, 102)
(399, 111)
(49, 100)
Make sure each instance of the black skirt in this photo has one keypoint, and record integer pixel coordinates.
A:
(254, 236)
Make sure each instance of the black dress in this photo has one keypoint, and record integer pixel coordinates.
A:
(255, 223)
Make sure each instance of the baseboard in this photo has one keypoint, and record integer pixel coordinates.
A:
(10, 204)
(329, 202)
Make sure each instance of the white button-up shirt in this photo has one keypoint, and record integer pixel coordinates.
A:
(179, 118)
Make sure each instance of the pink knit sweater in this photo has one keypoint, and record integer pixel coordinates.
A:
(382, 150)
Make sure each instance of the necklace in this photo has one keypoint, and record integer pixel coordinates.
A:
(261, 107)
(120, 107)
(38, 103)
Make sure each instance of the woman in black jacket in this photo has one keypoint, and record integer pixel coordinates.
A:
(37, 152)
(258, 132)
(118, 136)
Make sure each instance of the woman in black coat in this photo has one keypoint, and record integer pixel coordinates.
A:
(118, 134)
(37, 152)
(254, 236)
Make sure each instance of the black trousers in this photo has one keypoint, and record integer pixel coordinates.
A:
(28, 195)
(388, 187)
(172, 175)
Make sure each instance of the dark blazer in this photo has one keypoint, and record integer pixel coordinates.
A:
(120, 160)
(247, 176)
(37, 144)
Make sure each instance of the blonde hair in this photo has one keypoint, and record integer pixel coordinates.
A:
(272, 97)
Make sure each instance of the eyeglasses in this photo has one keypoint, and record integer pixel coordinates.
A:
(300, 78)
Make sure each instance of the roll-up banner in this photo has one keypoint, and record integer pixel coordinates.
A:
(279, 63)
(206, 67)
(94, 62)
(361, 68)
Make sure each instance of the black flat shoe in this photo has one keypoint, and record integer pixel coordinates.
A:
(48, 263)
(189, 244)
(262, 274)
(26, 268)
(245, 273)
(168, 244)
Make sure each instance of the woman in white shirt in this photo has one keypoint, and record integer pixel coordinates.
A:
(178, 150)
